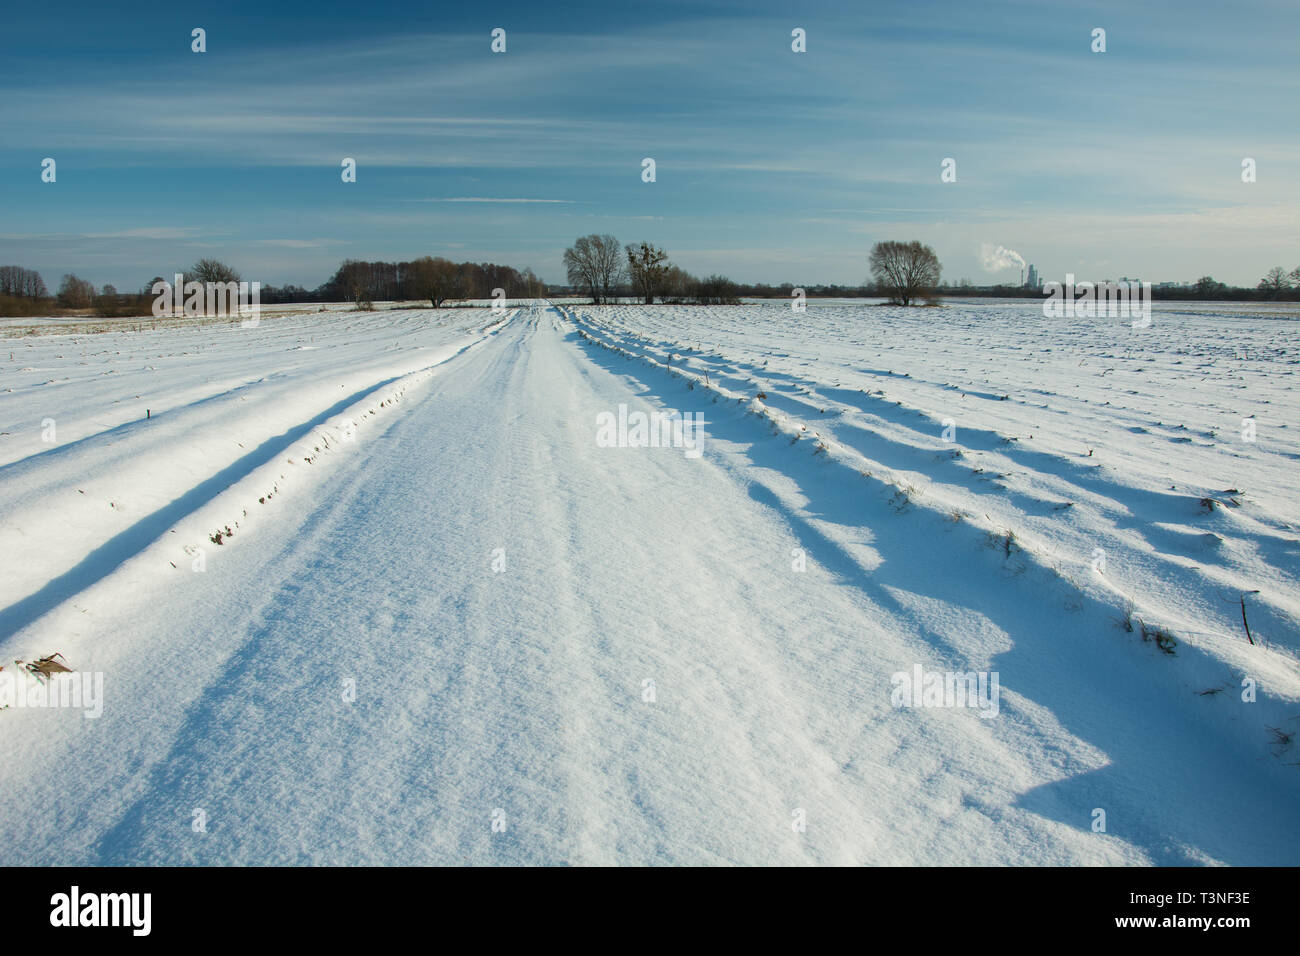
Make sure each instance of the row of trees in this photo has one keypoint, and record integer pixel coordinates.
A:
(433, 278)
(20, 283)
(23, 292)
(602, 268)
(1204, 289)
(907, 271)
(437, 280)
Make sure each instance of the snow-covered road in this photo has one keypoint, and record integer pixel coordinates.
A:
(481, 637)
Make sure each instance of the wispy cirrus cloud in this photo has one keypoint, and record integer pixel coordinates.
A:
(495, 199)
(144, 233)
(295, 243)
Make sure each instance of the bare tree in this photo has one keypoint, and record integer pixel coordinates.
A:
(432, 279)
(1207, 286)
(647, 267)
(905, 270)
(75, 293)
(353, 280)
(212, 270)
(534, 288)
(595, 263)
(1275, 282)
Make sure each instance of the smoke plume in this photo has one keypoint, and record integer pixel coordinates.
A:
(996, 258)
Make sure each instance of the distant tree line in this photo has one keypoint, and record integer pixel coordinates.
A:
(597, 266)
(435, 279)
(1278, 285)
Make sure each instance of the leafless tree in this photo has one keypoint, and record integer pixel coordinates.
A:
(595, 263)
(432, 279)
(1207, 286)
(1275, 282)
(212, 270)
(353, 277)
(534, 288)
(75, 293)
(906, 270)
(647, 267)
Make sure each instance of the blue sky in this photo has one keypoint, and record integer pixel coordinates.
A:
(771, 165)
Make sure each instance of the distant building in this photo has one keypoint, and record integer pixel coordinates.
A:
(1033, 277)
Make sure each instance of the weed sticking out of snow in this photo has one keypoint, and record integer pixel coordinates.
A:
(44, 667)
(1004, 541)
(1161, 636)
(1126, 618)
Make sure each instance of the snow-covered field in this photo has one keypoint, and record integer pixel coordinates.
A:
(372, 588)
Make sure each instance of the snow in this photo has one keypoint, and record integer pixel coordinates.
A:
(448, 625)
